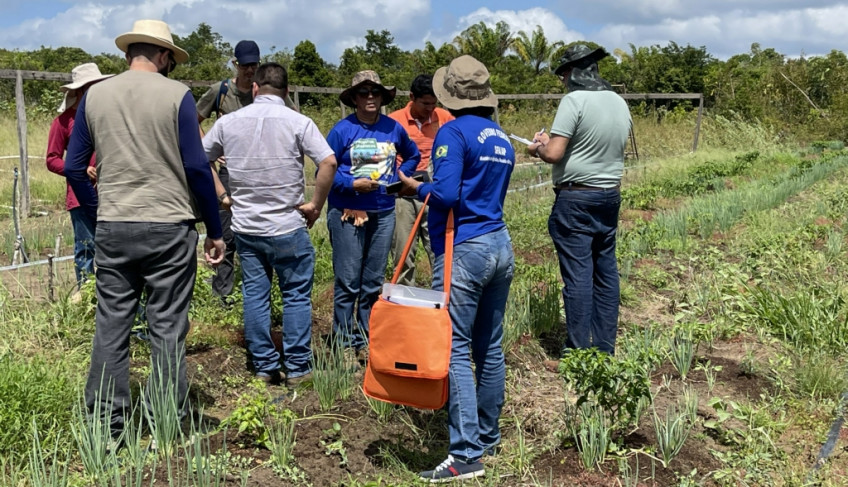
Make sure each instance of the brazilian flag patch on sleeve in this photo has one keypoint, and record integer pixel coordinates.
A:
(441, 151)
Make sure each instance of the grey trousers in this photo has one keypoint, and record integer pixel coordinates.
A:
(129, 257)
(406, 210)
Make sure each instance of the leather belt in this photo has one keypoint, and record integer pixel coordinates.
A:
(569, 186)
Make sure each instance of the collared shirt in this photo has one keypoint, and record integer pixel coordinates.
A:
(57, 143)
(265, 144)
(422, 133)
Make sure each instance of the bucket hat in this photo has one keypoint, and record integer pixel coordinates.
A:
(80, 76)
(153, 32)
(577, 53)
(362, 77)
(464, 83)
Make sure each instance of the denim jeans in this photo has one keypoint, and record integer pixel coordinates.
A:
(83, 243)
(482, 273)
(583, 227)
(360, 255)
(292, 257)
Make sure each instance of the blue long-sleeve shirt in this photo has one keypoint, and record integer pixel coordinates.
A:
(197, 170)
(364, 150)
(472, 161)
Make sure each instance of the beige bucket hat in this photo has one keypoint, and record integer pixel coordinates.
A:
(368, 76)
(464, 83)
(153, 32)
(81, 75)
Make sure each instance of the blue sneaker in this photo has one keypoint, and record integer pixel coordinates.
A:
(452, 469)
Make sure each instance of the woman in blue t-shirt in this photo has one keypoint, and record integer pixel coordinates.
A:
(360, 214)
(473, 160)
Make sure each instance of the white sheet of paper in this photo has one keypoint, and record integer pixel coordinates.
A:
(520, 139)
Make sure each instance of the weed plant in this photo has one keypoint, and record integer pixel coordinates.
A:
(32, 394)
(820, 376)
(382, 409)
(812, 319)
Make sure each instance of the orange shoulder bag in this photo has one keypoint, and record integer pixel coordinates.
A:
(409, 345)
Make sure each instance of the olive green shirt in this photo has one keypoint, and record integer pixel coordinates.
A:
(230, 102)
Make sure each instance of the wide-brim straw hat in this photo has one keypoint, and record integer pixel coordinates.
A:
(371, 77)
(579, 52)
(153, 32)
(464, 83)
(81, 75)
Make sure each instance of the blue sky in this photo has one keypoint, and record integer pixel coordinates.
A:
(725, 27)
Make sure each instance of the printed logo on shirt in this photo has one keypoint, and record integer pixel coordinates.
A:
(372, 159)
(441, 151)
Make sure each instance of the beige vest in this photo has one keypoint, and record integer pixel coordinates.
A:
(133, 121)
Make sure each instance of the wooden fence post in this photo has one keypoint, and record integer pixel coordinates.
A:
(50, 276)
(698, 122)
(22, 141)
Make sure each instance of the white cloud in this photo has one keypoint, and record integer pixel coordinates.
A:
(792, 32)
(332, 25)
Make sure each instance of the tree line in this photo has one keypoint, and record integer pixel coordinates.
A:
(803, 97)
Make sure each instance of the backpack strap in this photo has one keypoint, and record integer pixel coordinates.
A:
(222, 92)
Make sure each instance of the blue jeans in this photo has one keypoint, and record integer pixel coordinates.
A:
(482, 273)
(292, 257)
(583, 227)
(83, 243)
(360, 255)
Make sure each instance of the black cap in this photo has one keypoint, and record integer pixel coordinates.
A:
(247, 52)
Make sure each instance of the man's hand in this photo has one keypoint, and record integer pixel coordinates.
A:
(226, 203)
(91, 171)
(213, 250)
(365, 185)
(410, 185)
(310, 212)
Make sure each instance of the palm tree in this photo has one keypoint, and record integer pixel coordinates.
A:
(535, 50)
(484, 43)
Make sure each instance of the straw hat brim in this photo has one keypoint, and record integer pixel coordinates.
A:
(124, 40)
(80, 84)
(452, 102)
(389, 94)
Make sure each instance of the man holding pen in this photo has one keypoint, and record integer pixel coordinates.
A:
(586, 147)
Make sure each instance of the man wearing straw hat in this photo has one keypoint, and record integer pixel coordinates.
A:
(586, 149)
(153, 181)
(82, 76)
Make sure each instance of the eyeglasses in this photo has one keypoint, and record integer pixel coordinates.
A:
(247, 65)
(374, 91)
(172, 63)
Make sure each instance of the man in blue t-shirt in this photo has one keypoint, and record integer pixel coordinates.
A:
(473, 160)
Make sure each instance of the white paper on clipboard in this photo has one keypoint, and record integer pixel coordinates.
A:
(520, 139)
